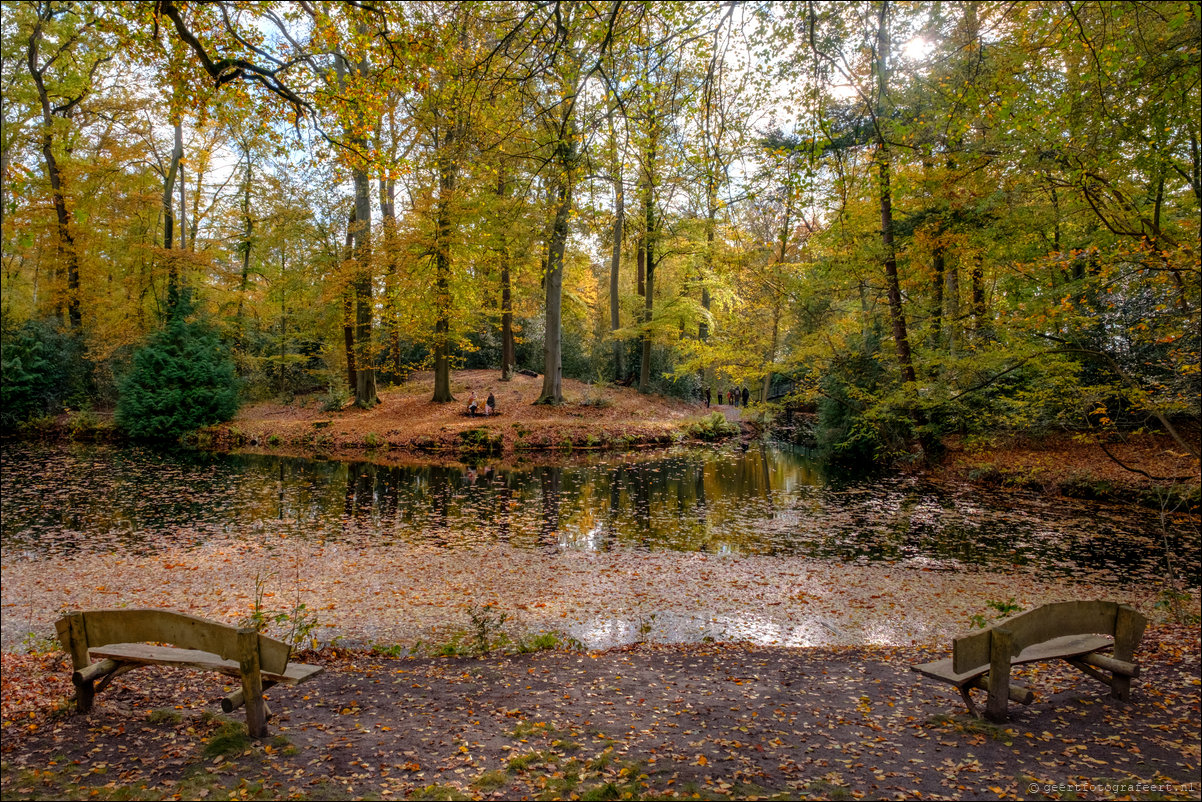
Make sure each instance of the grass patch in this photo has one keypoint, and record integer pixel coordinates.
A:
(164, 716)
(490, 780)
(823, 789)
(439, 792)
(970, 725)
(521, 763)
(230, 739)
(526, 728)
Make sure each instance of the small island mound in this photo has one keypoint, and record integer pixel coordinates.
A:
(593, 417)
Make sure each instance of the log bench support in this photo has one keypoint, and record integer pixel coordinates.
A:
(1069, 631)
(116, 639)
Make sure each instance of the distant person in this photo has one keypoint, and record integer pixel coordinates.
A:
(472, 403)
(746, 395)
(707, 398)
(490, 404)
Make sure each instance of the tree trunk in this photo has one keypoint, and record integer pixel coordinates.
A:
(552, 392)
(508, 347)
(977, 276)
(248, 223)
(348, 310)
(66, 240)
(648, 256)
(447, 176)
(365, 374)
(615, 261)
(615, 264)
(892, 283)
(939, 268)
(388, 217)
(177, 155)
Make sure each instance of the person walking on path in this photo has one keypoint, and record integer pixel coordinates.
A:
(746, 395)
(707, 398)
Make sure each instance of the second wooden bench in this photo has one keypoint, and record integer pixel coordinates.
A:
(122, 640)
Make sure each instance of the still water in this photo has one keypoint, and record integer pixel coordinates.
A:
(767, 501)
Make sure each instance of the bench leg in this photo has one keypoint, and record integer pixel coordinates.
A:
(252, 682)
(999, 675)
(967, 697)
(235, 700)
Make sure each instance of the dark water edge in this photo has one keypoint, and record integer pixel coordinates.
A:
(766, 500)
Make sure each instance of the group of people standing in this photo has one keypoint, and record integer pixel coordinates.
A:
(732, 397)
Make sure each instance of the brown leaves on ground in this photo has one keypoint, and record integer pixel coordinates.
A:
(407, 418)
(724, 721)
(1073, 462)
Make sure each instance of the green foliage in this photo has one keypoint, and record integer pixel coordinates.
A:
(1002, 609)
(715, 427)
(296, 626)
(182, 379)
(43, 370)
(230, 738)
(857, 425)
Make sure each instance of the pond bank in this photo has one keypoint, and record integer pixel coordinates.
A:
(406, 420)
(1147, 469)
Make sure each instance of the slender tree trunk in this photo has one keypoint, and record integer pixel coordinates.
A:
(977, 276)
(365, 374)
(66, 240)
(615, 264)
(615, 260)
(648, 256)
(953, 307)
(183, 184)
(508, 347)
(393, 323)
(248, 223)
(348, 309)
(442, 274)
(552, 391)
(939, 268)
(883, 158)
(177, 154)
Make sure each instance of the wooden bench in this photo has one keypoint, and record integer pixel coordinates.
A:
(117, 639)
(1069, 631)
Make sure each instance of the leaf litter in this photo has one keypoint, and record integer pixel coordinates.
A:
(837, 712)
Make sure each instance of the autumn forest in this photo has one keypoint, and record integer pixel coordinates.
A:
(928, 217)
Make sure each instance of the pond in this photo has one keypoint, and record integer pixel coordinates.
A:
(766, 503)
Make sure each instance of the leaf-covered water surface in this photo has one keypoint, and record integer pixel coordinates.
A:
(679, 546)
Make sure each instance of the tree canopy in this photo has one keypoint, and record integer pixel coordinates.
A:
(915, 218)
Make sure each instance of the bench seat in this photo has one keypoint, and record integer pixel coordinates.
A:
(1060, 648)
(144, 654)
(1072, 631)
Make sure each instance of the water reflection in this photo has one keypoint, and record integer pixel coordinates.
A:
(762, 501)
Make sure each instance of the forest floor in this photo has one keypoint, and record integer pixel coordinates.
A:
(705, 721)
(1130, 467)
(1148, 468)
(406, 419)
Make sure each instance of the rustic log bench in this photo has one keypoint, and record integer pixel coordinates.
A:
(1069, 631)
(117, 639)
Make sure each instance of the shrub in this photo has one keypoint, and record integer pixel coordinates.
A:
(182, 379)
(43, 369)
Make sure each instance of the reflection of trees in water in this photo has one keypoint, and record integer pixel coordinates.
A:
(549, 480)
(761, 501)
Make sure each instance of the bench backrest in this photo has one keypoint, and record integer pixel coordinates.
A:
(1123, 623)
(104, 627)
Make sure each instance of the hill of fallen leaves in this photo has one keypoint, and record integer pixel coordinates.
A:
(406, 418)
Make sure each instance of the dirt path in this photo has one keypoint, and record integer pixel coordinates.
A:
(723, 721)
